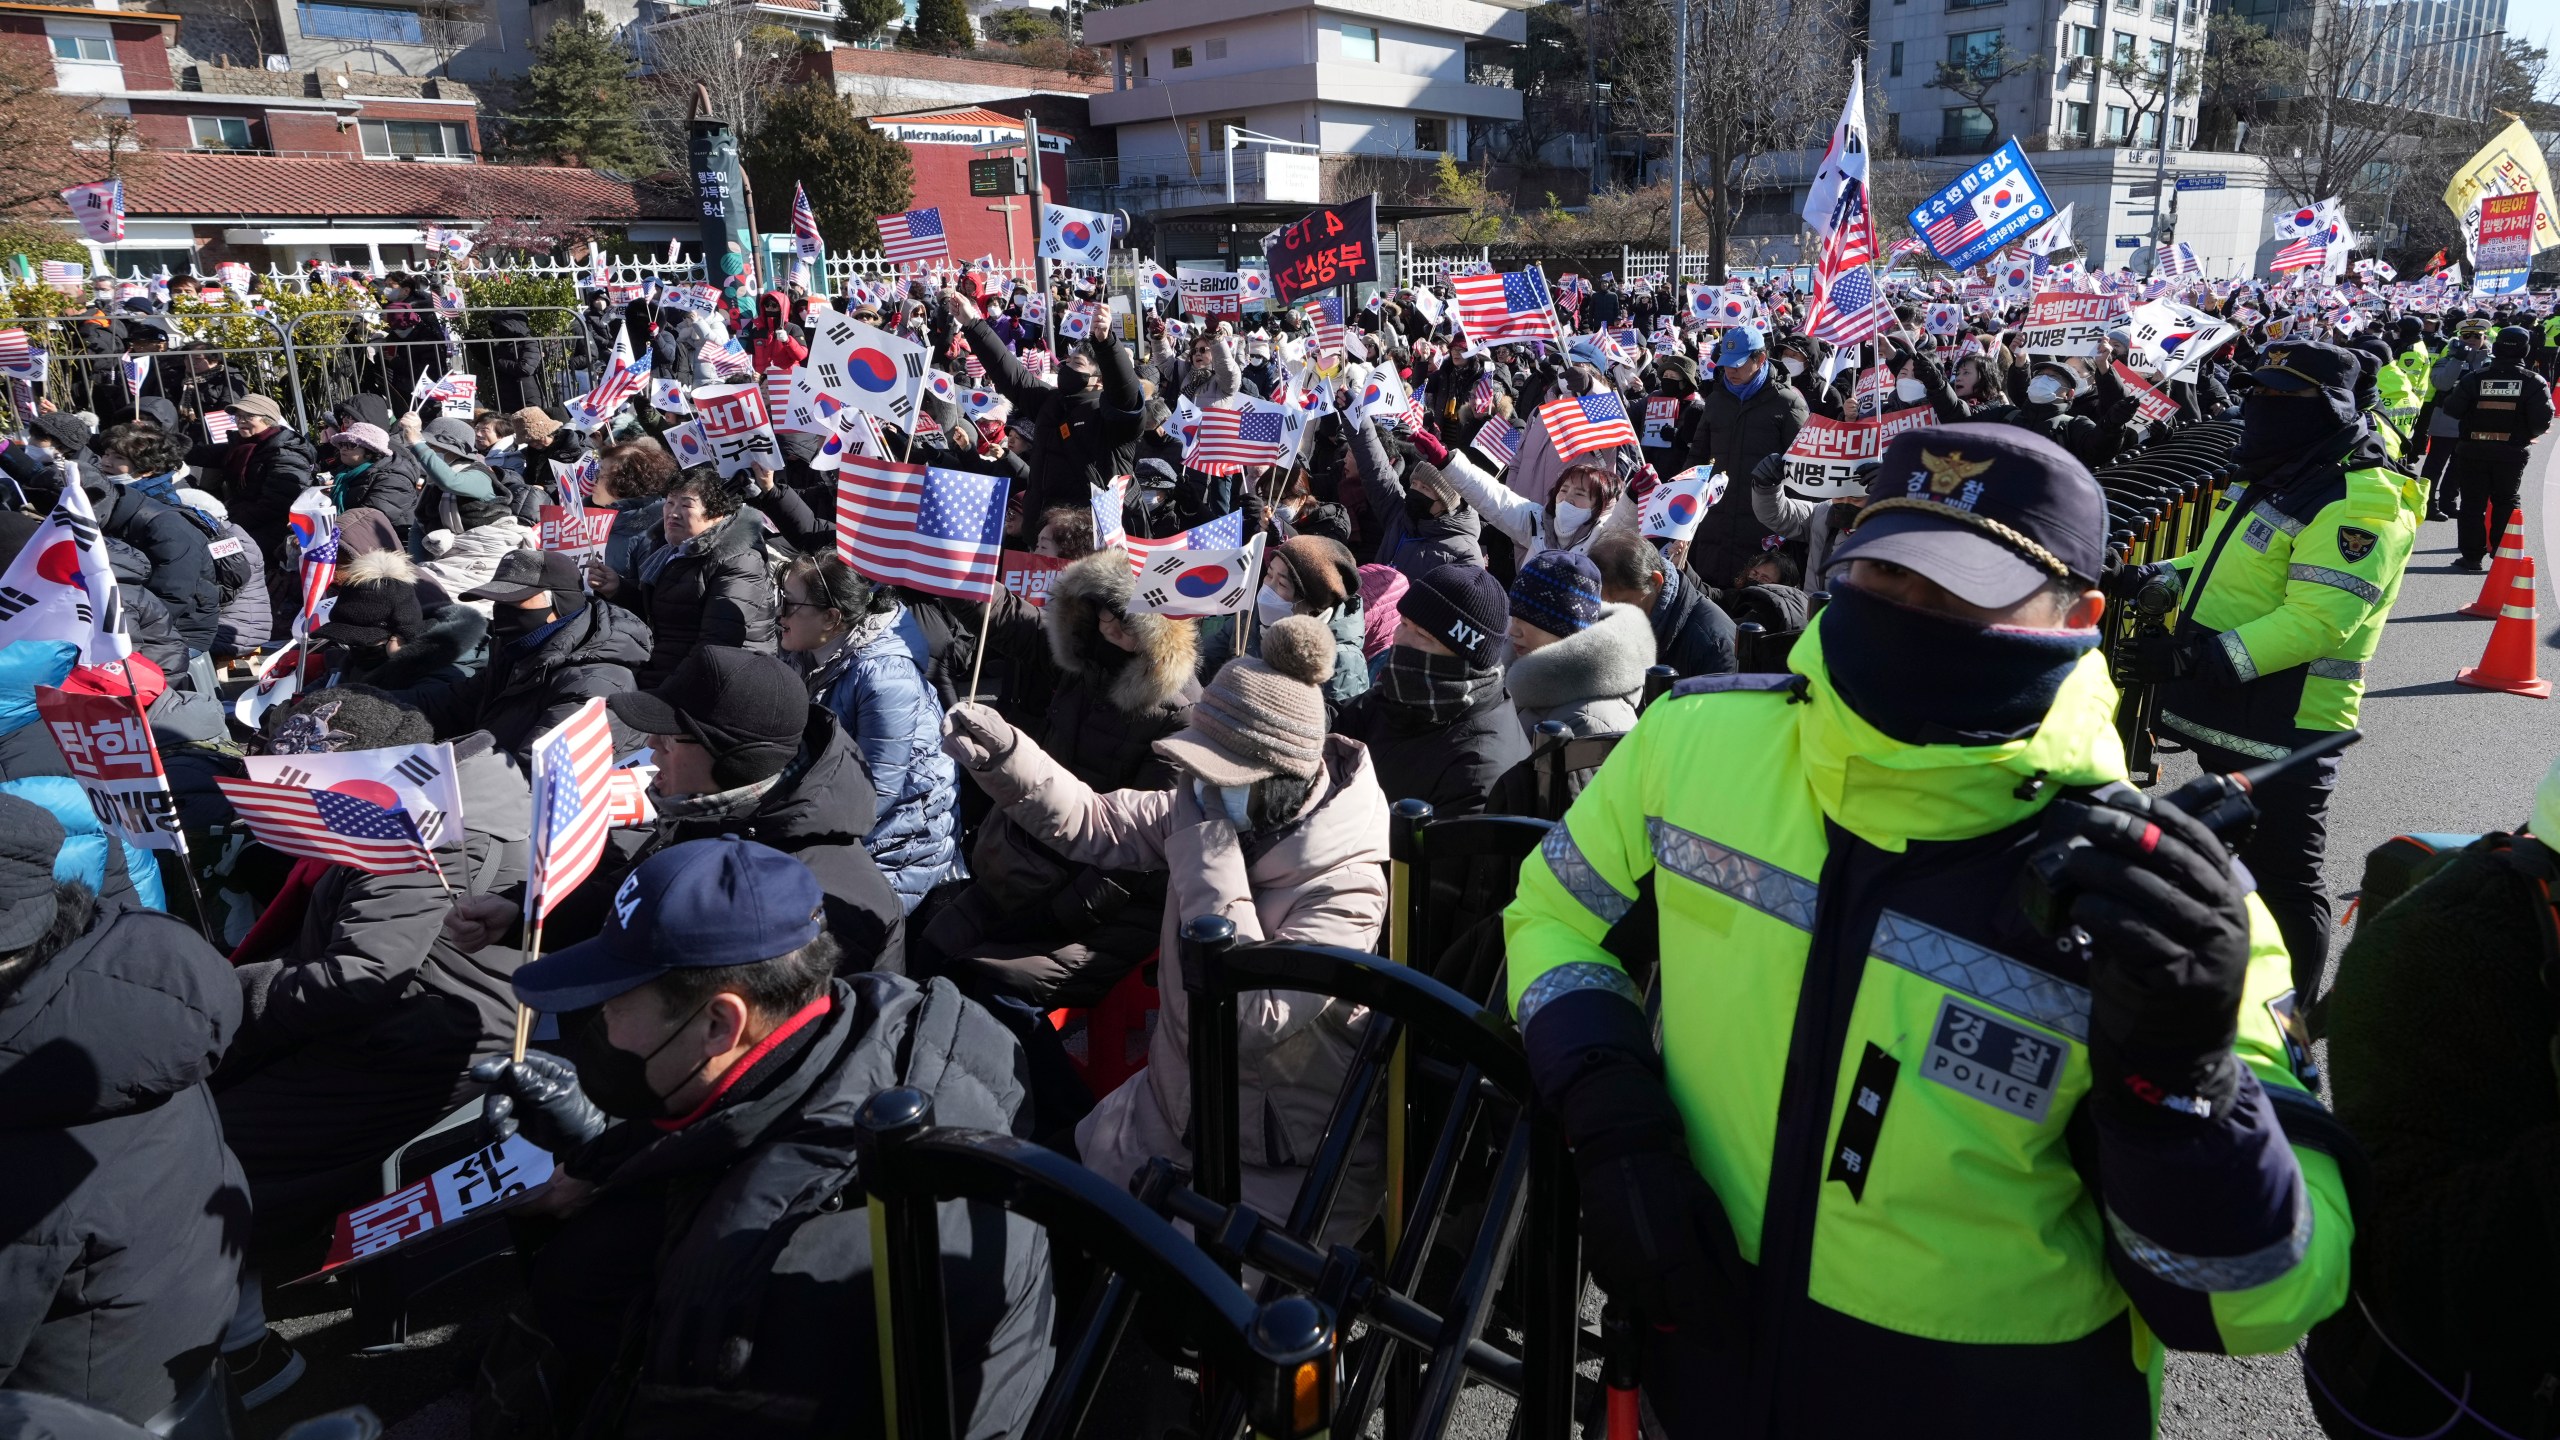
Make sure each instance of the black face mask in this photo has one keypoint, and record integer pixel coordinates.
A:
(514, 622)
(2273, 424)
(1074, 382)
(1419, 507)
(616, 1079)
(1931, 679)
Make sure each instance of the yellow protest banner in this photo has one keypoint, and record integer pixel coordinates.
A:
(2510, 164)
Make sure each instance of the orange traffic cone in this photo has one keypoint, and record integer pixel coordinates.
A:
(2493, 590)
(2508, 662)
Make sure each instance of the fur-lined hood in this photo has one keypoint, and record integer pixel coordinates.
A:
(1604, 660)
(378, 565)
(1168, 651)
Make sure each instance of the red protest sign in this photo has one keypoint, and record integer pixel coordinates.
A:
(2065, 322)
(1894, 422)
(2154, 405)
(583, 535)
(2506, 233)
(735, 427)
(1030, 576)
(108, 748)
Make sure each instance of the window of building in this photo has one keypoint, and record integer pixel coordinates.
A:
(1965, 124)
(2158, 59)
(1971, 4)
(1893, 65)
(1217, 49)
(1360, 42)
(2082, 42)
(2125, 40)
(415, 139)
(362, 22)
(2148, 132)
(1974, 51)
(84, 47)
(219, 132)
(2075, 119)
(1181, 57)
(2119, 123)
(124, 260)
(1430, 132)
(2178, 133)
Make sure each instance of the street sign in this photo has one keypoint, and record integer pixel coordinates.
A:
(999, 177)
(2202, 182)
(2128, 242)
(2144, 191)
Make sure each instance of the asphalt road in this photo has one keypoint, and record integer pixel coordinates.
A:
(2439, 756)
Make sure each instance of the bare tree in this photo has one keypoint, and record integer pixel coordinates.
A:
(734, 57)
(1978, 74)
(2366, 93)
(57, 140)
(2146, 83)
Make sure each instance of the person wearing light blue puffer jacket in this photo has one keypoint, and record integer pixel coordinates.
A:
(849, 639)
(32, 769)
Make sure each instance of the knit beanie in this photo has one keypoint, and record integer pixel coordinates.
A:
(1559, 592)
(1261, 717)
(1461, 606)
(1323, 569)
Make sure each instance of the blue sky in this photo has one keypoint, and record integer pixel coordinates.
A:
(2534, 20)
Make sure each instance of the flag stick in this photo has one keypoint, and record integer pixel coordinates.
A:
(524, 1013)
(986, 627)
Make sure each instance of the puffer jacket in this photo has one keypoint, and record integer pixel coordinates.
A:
(1735, 435)
(32, 768)
(459, 560)
(1058, 930)
(1589, 680)
(124, 1215)
(877, 692)
(1320, 879)
(259, 479)
(526, 690)
(714, 589)
(247, 620)
(178, 549)
(390, 484)
(1529, 524)
(1414, 547)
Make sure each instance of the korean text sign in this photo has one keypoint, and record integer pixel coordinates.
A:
(1337, 245)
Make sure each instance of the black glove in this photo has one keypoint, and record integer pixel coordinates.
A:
(2124, 582)
(539, 1095)
(2168, 928)
(1257, 513)
(1770, 470)
(1654, 1234)
(2158, 659)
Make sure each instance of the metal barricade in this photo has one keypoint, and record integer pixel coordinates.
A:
(2159, 502)
(213, 361)
(520, 355)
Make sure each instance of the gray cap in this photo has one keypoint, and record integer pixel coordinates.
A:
(451, 435)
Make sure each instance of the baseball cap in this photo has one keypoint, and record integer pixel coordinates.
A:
(1739, 344)
(261, 406)
(701, 905)
(523, 574)
(2305, 367)
(29, 839)
(1990, 512)
(749, 709)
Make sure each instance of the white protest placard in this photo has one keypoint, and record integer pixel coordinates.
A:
(735, 429)
(109, 750)
(1824, 460)
(488, 1177)
(1217, 294)
(2065, 322)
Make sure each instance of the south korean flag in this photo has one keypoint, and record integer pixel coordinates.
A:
(1199, 583)
(417, 778)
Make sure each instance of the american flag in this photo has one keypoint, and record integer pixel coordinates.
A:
(1580, 424)
(2179, 262)
(219, 426)
(1851, 309)
(1908, 246)
(804, 227)
(1224, 533)
(1512, 305)
(2301, 255)
(777, 390)
(1498, 440)
(1482, 397)
(1325, 313)
(1238, 430)
(1570, 290)
(914, 235)
(940, 531)
(62, 275)
(459, 385)
(14, 352)
(726, 358)
(137, 368)
(1109, 502)
(624, 378)
(571, 813)
(314, 520)
(1955, 230)
(330, 826)
(1855, 234)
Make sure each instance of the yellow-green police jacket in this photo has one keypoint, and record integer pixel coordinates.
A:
(2406, 385)
(1881, 1066)
(2293, 585)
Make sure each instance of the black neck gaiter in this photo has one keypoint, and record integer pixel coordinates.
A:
(1930, 679)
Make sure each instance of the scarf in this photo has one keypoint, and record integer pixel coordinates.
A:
(164, 488)
(338, 484)
(1931, 679)
(717, 804)
(1441, 688)
(1745, 392)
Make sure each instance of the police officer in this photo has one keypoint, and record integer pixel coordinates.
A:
(1848, 1179)
(2404, 382)
(2500, 408)
(2278, 611)
(2468, 352)
(2550, 353)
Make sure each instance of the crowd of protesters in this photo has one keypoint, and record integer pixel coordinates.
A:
(895, 837)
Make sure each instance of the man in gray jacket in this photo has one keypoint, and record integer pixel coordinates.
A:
(2468, 352)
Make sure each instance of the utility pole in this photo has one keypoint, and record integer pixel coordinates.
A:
(1591, 82)
(1039, 232)
(2168, 108)
(1679, 131)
